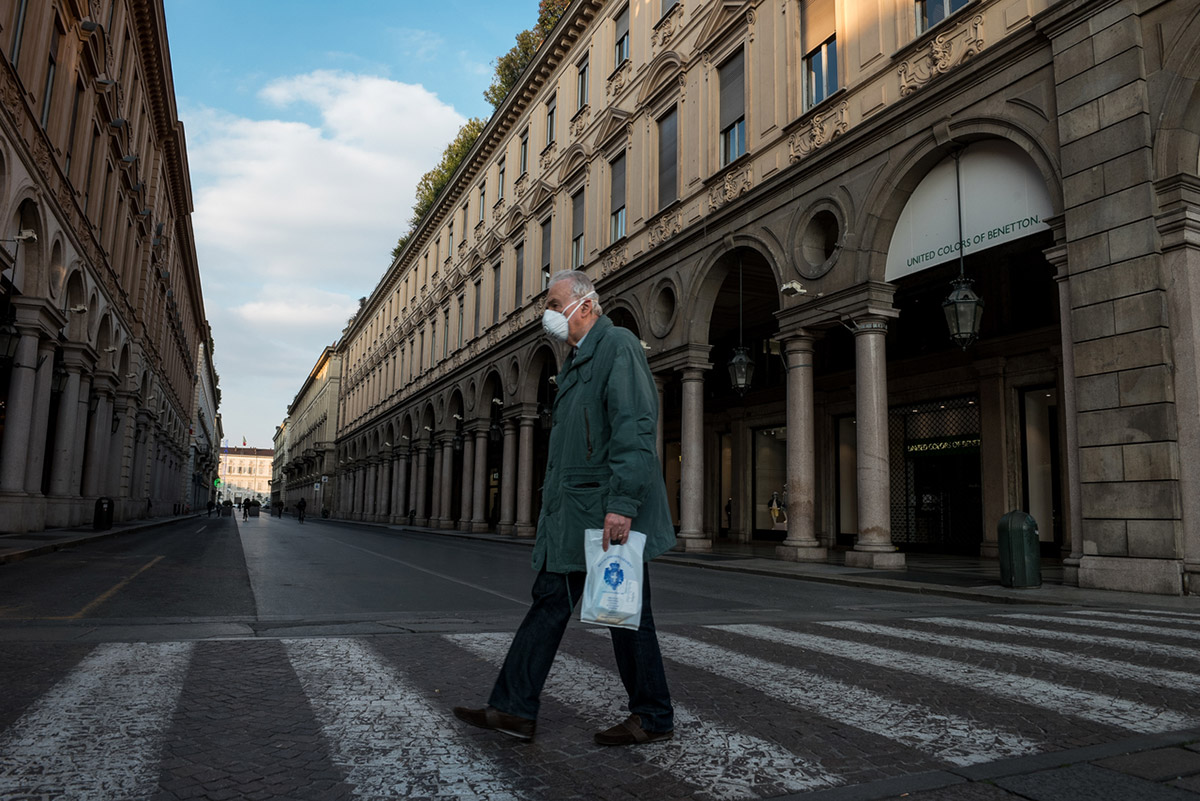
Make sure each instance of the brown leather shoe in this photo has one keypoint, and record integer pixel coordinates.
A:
(491, 718)
(630, 732)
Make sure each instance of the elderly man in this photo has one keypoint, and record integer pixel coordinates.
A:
(603, 472)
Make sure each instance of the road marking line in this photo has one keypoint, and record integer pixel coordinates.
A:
(1098, 613)
(202, 528)
(1171, 679)
(1109, 625)
(120, 585)
(521, 601)
(1157, 649)
(1169, 613)
(954, 739)
(391, 743)
(96, 735)
(720, 762)
(1105, 709)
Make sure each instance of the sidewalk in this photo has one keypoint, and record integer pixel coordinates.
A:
(948, 576)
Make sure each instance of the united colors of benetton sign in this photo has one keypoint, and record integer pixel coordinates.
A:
(1003, 198)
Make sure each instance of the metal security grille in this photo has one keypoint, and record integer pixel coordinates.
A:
(936, 497)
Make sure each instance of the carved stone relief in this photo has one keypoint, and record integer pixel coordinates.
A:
(735, 184)
(945, 52)
(665, 227)
(820, 130)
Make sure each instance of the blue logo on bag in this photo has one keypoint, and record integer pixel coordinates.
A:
(614, 575)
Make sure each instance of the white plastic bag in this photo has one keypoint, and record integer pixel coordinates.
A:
(612, 593)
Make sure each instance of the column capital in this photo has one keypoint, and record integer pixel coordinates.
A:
(38, 316)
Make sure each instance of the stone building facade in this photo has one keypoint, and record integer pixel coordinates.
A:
(245, 473)
(308, 468)
(206, 431)
(101, 314)
(806, 182)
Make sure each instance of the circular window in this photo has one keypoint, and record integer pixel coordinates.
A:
(817, 240)
(662, 312)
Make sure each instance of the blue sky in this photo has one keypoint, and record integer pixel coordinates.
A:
(308, 125)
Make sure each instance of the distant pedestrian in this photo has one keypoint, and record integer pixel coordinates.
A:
(603, 472)
(300, 506)
(245, 510)
(211, 506)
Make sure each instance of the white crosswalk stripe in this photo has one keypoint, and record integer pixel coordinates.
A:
(955, 739)
(1168, 613)
(1172, 679)
(1058, 635)
(96, 735)
(720, 762)
(391, 742)
(1062, 699)
(1111, 626)
(1104, 614)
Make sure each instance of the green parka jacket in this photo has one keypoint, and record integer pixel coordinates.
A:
(603, 451)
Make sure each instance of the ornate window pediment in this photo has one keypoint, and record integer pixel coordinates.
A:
(664, 74)
(723, 16)
(574, 160)
(613, 123)
(514, 222)
(540, 194)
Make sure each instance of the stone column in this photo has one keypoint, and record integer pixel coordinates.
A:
(874, 547)
(508, 479)
(81, 418)
(1068, 400)
(525, 526)
(993, 451)
(118, 481)
(101, 434)
(467, 481)
(19, 414)
(447, 488)
(801, 544)
(65, 444)
(39, 419)
(420, 485)
(480, 485)
(383, 506)
(400, 489)
(691, 496)
(435, 486)
(372, 489)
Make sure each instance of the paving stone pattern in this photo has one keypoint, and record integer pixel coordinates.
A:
(764, 712)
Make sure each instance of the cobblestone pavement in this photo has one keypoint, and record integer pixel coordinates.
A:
(1076, 704)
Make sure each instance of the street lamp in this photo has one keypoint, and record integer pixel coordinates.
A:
(963, 308)
(741, 366)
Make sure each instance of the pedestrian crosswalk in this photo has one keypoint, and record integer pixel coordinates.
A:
(761, 710)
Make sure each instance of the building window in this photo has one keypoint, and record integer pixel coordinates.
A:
(482, 200)
(496, 293)
(581, 84)
(668, 159)
(18, 31)
(621, 39)
(820, 51)
(616, 226)
(519, 282)
(466, 224)
(462, 317)
(450, 239)
(524, 151)
(48, 91)
(931, 12)
(577, 230)
(551, 113)
(733, 108)
(79, 91)
(547, 245)
(432, 343)
(667, 5)
(478, 304)
(445, 332)
(500, 180)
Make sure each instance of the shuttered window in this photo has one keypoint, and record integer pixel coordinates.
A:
(621, 38)
(818, 34)
(733, 108)
(668, 158)
(577, 230)
(617, 198)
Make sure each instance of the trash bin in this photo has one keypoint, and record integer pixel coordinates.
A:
(103, 517)
(1020, 550)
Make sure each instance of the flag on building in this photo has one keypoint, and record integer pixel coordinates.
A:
(243, 440)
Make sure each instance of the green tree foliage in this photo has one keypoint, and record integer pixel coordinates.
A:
(510, 65)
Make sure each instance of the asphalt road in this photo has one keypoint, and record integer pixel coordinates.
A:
(215, 658)
(272, 576)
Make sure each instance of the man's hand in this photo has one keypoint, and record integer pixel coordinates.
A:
(616, 529)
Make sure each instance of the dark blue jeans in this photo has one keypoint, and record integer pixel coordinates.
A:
(639, 661)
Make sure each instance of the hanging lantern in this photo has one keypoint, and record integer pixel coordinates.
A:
(495, 433)
(964, 312)
(457, 441)
(9, 339)
(741, 369)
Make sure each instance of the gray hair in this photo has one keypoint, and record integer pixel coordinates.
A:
(580, 286)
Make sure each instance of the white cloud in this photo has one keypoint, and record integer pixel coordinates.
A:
(295, 220)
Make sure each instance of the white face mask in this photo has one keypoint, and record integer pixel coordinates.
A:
(555, 323)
